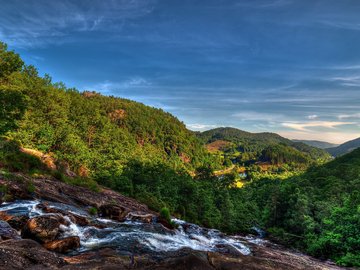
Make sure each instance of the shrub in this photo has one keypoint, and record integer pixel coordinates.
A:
(165, 214)
(93, 211)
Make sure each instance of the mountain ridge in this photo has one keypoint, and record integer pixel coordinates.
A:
(318, 144)
(344, 148)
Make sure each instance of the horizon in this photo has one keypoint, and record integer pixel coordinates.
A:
(280, 66)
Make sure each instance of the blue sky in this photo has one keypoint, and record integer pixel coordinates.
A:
(286, 66)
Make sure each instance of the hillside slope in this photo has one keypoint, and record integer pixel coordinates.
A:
(255, 146)
(344, 148)
(317, 211)
(90, 134)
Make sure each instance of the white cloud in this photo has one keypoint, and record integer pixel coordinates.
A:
(200, 127)
(312, 116)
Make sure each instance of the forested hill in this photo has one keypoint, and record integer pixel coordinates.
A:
(318, 211)
(344, 148)
(258, 144)
(91, 133)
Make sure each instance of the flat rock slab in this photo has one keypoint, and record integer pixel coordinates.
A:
(27, 254)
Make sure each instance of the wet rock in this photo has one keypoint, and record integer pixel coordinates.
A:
(77, 219)
(6, 232)
(27, 254)
(144, 218)
(63, 245)
(165, 223)
(42, 228)
(114, 212)
(15, 221)
(228, 249)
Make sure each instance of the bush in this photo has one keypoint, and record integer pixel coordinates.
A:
(165, 214)
(93, 211)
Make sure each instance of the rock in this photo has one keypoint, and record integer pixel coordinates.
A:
(228, 249)
(165, 223)
(27, 254)
(77, 219)
(6, 232)
(63, 245)
(144, 218)
(15, 221)
(192, 261)
(42, 228)
(114, 212)
(107, 259)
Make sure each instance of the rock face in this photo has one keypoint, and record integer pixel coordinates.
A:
(6, 232)
(27, 254)
(42, 228)
(63, 245)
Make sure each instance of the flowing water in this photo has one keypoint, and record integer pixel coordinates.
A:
(134, 237)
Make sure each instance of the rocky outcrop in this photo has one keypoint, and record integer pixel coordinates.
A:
(6, 232)
(63, 245)
(42, 229)
(27, 254)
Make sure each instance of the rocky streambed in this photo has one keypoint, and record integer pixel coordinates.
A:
(51, 228)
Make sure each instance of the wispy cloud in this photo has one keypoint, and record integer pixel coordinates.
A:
(37, 23)
(107, 87)
(349, 116)
(257, 116)
(306, 125)
(350, 80)
(332, 137)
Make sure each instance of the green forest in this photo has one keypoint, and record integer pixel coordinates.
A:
(148, 154)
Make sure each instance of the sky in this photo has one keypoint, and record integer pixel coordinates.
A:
(285, 66)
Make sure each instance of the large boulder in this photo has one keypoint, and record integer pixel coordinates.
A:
(63, 245)
(75, 218)
(115, 212)
(27, 254)
(6, 232)
(42, 228)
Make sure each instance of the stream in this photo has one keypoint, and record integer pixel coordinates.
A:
(132, 237)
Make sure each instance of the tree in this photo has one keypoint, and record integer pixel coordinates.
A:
(12, 108)
(9, 61)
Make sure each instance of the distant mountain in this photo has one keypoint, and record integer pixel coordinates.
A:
(344, 148)
(318, 144)
(254, 145)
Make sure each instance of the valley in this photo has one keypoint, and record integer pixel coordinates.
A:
(127, 184)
